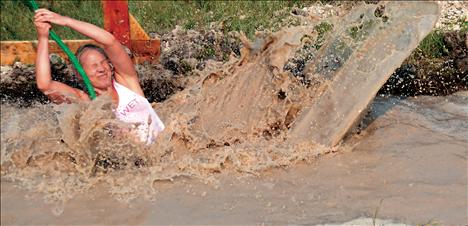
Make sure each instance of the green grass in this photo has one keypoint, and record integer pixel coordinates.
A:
(322, 29)
(464, 24)
(433, 45)
(162, 16)
(17, 18)
(246, 16)
(154, 16)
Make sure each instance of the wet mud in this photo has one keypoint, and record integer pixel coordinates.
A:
(63, 150)
(230, 119)
(408, 165)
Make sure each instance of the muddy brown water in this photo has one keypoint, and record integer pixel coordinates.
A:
(409, 165)
(224, 157)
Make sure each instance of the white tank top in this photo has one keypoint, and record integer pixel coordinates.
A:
(135, 109)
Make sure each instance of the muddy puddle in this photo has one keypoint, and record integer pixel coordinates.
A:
(407, 166)
(226, 156)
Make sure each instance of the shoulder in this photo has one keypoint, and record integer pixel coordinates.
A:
(131, 83)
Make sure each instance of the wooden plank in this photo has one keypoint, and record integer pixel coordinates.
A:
(356, 62)
(144, 48)
(146, 51)
(116, 20)
(25, 51)
(136, 31)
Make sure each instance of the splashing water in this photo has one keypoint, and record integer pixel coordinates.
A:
(236, 118)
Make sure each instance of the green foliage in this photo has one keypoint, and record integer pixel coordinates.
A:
(154, 16)
(17, 18)
(189, 25)
(322, 29)
(464, 24)
(207, 53)
(362, 30)
(433, 45)
(246, 16)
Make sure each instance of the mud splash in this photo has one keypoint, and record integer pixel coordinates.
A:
(234, 119)
(408, 164)
(66, 149)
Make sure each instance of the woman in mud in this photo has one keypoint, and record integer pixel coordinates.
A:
(109, 69)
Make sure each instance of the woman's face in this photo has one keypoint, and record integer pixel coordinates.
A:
(97, 68)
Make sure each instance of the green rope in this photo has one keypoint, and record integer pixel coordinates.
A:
(70, 55)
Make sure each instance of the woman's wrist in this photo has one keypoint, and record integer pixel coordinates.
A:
(43, 38)
(67, 21)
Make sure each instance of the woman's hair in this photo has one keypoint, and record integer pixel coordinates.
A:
(85, 47)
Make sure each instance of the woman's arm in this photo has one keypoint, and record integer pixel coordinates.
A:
(56, 91)
(122, 63)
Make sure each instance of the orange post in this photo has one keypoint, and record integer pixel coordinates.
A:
(116, 20)
(126, 29)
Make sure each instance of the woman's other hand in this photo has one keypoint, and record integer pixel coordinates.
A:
(42, 29)
(44, 15)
